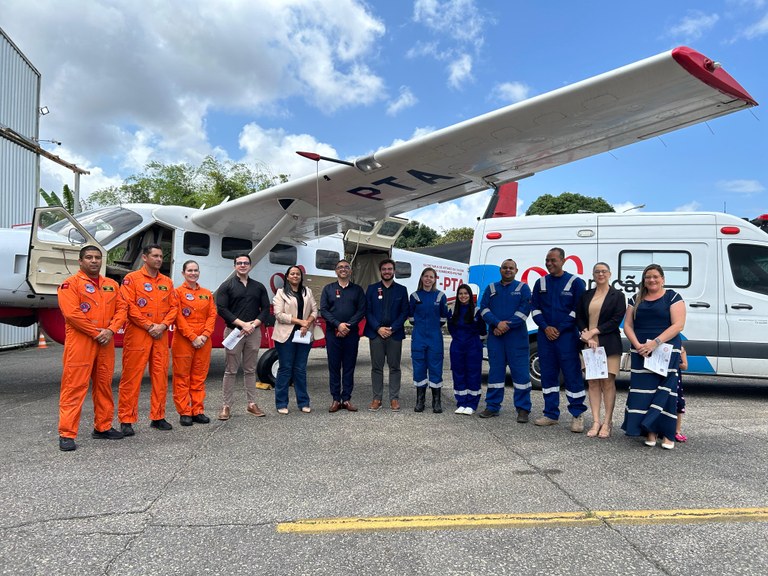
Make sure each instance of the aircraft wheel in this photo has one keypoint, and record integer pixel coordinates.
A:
(266, 367)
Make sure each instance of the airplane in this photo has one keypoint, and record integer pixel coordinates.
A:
(648, 98)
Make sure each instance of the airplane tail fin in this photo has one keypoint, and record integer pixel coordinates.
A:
(503, 202)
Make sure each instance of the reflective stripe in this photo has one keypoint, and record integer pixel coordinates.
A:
(637, 411)
(435, 385)
(525, 386)
(536, 313)
(553, 390)
(460, 392)
(522, 316)
(415, 296)
(567, 286)
(496, 385)
(421, 384)
(440, 296)
(484, 311)
(474, 392)
(581, 394)
(492, 289)
(519, 287)
(572, 314)
(543, 284)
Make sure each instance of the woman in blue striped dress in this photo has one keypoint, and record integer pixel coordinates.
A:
(654, 317)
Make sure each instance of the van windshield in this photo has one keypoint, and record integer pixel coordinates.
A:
(104, 224)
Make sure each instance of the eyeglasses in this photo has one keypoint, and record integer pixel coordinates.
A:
(343, 268)
(602, 272)
(246, 263)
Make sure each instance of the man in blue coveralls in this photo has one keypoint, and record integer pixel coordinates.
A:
(505, 306)
(342, 305)
(554, 301)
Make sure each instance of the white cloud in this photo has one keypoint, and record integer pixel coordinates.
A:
(759, 28)
(275, 151)
(741, 186)
(511, 92)
(692, 206)
(459, 19)
(621, 207)
(460, 213)
(460, 71)
(405, 100)
(693, 26)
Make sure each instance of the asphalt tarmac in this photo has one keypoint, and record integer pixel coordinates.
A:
(265, 495)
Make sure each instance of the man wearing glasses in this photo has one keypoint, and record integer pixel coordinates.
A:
(505, 306)
(243, 303)
(386, 313)
(342, 306)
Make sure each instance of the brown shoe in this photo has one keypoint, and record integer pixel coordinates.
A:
(335, 406)
(224, 414)
(395, 405)
(347, 405)
(253, 408)
(374, 406)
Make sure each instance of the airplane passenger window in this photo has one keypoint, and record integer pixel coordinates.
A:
(231, 247)
(749, 266)
(283, 254)
(197, 244)
(402, 269)
(390, 229)
(326, 259)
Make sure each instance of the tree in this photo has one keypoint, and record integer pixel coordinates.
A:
(68, 202)
(416, 235)
(455, 235)
(209, 184)
(567, 203)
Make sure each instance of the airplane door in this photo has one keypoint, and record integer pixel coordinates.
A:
(370, 245)
(745, 277)
(54, 248)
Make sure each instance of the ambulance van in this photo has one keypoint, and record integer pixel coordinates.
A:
(717, 262)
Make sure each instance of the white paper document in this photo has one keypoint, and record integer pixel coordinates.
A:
(595, 363)
(658, 361)
(232, 339)
(306, 339)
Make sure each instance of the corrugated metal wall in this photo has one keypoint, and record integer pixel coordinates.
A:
(19, 168)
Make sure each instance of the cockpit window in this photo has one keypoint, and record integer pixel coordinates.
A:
(104, 224)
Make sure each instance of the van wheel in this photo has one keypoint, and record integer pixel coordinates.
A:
(534, 367)
(266, 368)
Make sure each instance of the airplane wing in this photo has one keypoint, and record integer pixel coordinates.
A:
(660, 94)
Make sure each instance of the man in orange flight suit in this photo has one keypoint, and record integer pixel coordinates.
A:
(93, 312)
(192, 346)
(152, 309)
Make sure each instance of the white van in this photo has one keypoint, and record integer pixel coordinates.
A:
(717, 262)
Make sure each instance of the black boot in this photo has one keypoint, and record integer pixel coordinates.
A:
(437, 407)
(421, 393)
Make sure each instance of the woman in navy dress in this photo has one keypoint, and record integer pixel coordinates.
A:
(466, 328)
(654, 317)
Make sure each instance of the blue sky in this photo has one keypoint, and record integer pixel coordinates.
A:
(170, 80)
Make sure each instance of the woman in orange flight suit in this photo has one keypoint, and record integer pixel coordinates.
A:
(191, 346)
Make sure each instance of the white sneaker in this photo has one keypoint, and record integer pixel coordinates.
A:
(459, 410)
(468, 411)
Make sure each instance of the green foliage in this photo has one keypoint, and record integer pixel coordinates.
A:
(567, 203)
(185, 185)
(66, 200)
(416, 235)
(455, 235)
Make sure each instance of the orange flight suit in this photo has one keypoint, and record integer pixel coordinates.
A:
(88, 306)
(196, 317)
(150, 301)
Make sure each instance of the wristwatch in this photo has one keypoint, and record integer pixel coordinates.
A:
(658, 342)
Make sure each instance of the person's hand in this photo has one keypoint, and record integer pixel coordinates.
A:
(104, 336)
(156, 330)
(384, 331)
(502, 327)
(198, 342)
(551, 333)
(592, 343)
(343, 329)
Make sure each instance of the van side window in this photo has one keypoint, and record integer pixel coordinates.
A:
(283, 254)
(402, 269)
(326, 259)
(231, 247)
(197, 244)
(749, 266)
(676, 265)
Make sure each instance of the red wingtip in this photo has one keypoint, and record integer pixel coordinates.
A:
(710, 73)
(310, 155)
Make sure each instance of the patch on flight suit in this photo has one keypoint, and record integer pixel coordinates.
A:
(126, 282)
(186, 311)
(141, 302)
(204, 297)
(163, 288)
(190, 297)
(64, 286)
(147, 287)
(108, 288)
(90, 288)
(85, 306)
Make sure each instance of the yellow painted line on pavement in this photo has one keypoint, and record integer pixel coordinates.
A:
(475, 521)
